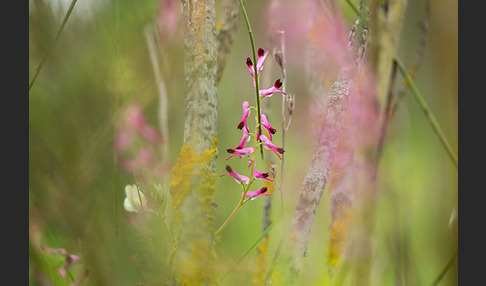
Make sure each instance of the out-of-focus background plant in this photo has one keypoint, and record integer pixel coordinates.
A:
(107, 110)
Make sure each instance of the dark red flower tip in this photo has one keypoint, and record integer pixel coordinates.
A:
(231, 151)
(249, 62)
(278, 83)
(280, 150)
(260, 52)
(272, 130)
(228, 168)
(264, 190)
(265, 175)
(240, 126)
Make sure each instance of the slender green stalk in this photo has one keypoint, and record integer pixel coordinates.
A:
(445, 268)
(255, 67)
(362, 19)
(231, 216)
(117, 104)
(250, 249)
(428, 113)
(355, 9)
(61, 28)
(243, 200)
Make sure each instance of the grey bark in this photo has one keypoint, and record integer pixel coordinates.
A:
(200, 73)
(196, 226)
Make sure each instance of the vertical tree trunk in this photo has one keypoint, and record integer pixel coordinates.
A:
(200, 73)
(192, 185)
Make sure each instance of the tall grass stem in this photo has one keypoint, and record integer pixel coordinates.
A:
(428, 113)
(43, 60)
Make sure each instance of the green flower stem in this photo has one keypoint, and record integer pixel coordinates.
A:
(253, 246)
(242, 200)
(255, 67)
(240, 204)
(245, 189)
(63, 23)
(428, 113)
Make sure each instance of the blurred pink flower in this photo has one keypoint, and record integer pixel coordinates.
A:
(254, 194)
(136, 121)
(261, 176)
(123, 140)
(62, 251)
(62, 272)
(151, 134)
(267, 144)
(238, 177)
(145, 158)
(167, 18)
(134, 117)
(270, 91)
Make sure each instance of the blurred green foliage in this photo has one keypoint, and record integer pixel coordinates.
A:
(101, 64)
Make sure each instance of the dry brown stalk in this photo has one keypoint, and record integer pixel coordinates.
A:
(226, 34)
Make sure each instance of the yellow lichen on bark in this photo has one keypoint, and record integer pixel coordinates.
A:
(192, 189)
(180, 186)
(198, 268)
(206, 189)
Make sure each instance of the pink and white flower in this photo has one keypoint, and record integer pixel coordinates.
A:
(240, 152)
(261, 176)
(262, 54)
(270, 91)
(267, 144)
(267, 125)
(246, 113)
(244, 139)
(238, 177)
(254, 194)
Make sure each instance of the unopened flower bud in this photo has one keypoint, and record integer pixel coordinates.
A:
(279, 58)
(291, 102)
(273, 170)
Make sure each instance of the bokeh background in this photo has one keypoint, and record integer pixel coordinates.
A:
(101, 66)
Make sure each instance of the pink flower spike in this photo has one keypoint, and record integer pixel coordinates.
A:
(240, 152)
(267, 144)
(244, 138)
(254, 194)
(267, 125)
(123, 140)
(261, 176)
(150, 133)
(246, 113)
(262, 54)
(270, 91)
(238, 178)
(134, 117)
